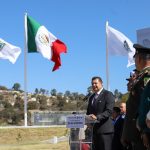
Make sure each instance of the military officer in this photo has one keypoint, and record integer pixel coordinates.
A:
(130, 131)
(143, 110)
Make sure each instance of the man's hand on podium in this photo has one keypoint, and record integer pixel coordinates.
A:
(93, 117)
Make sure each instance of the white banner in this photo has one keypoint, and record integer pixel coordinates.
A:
(75, 121)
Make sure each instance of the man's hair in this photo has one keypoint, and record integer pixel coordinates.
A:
(116, 109)
(97, 77)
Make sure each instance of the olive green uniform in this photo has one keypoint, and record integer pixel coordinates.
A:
(144, 106)
(130, 132)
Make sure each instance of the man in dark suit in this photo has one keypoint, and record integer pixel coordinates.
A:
(122, 107)
(118, 126)
(100, 109)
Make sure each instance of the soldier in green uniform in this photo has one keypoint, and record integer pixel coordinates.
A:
(131, 133)
(141, 121)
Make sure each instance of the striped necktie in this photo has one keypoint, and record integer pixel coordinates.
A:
(94, 99)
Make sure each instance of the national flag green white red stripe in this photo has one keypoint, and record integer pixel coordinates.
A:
(39, 39)
(9, 51)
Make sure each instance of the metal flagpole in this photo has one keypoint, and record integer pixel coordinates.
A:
(107, 64)
(25, 71)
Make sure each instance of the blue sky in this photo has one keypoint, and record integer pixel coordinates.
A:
(80, 24)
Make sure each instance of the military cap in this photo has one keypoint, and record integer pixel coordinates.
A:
(128, 79)
(141, 49)
(135, 70)
(131, 74)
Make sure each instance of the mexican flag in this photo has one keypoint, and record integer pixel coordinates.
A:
(9, 51)
(39, 39)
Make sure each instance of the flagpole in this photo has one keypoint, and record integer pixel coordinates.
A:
(107, 63)
(25, 72)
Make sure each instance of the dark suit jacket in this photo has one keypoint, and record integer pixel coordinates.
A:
(102, 109)
(118, 126)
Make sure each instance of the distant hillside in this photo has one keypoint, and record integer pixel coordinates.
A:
(12, 103)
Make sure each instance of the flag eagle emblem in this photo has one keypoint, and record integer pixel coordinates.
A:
(2, 44)
(126, 46)
(43, 39)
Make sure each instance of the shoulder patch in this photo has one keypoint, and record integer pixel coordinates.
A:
(146, 80)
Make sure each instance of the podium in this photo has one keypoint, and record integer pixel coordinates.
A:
(81, 132)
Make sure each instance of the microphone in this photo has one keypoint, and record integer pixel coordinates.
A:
(85, 99)
(87, 96)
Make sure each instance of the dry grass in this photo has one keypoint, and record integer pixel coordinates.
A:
(40, 146)
(31, 139)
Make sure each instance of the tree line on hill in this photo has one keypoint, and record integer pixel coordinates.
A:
(12, 102)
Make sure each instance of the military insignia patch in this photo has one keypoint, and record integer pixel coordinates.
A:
(2, 44)
(146, 80)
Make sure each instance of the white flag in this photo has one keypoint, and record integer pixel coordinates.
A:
(9, 51)
(119, 44)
